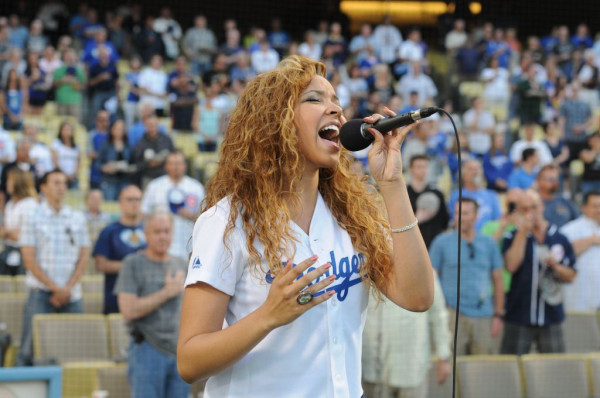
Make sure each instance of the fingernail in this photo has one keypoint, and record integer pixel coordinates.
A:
(331, 293)
(314, 258)
(332, 277)
(327, 266)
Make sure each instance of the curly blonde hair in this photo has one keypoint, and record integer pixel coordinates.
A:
(261, 167)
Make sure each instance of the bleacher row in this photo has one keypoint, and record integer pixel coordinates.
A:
(92, 348)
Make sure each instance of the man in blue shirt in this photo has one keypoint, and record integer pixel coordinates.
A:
(525, 176)
(558, 210)
(473, 183)
(481, 307)
(540, 259)
(118, 240)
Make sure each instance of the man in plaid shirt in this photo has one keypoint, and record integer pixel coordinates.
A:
(55, 248)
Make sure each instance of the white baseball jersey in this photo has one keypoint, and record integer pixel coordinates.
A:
(163, 194)
(318, 354)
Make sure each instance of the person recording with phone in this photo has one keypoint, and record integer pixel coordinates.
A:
(290, 243)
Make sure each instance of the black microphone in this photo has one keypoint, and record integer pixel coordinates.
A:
(354, 135)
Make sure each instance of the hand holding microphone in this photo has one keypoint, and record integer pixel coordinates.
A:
(355, 134)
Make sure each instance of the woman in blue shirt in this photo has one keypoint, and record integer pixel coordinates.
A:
(12, 100)
(497, 165)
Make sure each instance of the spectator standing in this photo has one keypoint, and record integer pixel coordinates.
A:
(150, 152)
(13, 100)
(97, 137)
(481, 309)
(55, 247)
(525, 175)
(151, 308)
(309, 47)
(65, 154)
(137, 131)
(69, 80)
(388, 39)
(584, 235)
(265, 58)
(22, 162)
(360, 43)
(558, 210)
(497, 166)
(179, 194)
(563, 51)
(527, 142)
(386, 354)
(280, 39)
(531, 94)
(590, 180)
(540, 259)
(103, 82)
(416, 81)
(335, 47)
(114, 161)
(479, 124)
(153, 85)
(8, 151)
(170, 32)
(426, 200)
(575, 119)
(23, 201)
(36, 40)
(133, 91)
(488, 204)
(119, 239)
(200, 45)
(148, 42)
(496, 91)
(95, 218)
(39, 153)
(17, 32)
(91, 52)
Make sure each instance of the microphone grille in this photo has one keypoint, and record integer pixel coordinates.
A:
(351, 138)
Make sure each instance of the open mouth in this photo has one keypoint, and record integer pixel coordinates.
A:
(330, 133)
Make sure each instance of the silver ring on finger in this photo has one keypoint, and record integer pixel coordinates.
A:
(304, 297)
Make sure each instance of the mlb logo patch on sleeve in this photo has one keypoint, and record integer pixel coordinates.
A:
(196, 263)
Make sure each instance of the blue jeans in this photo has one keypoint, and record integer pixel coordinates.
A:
(153, 374)
(111, 188)
(38, 302)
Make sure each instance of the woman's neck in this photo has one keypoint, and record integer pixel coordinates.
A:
(307, 190)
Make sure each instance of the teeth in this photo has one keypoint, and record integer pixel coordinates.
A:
(332, 127)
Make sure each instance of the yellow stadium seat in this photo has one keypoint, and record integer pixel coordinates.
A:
(581, 332)
(80, 379)
(7, 284)
(186, 143)
(20, 284)
(70, 337)
(556, 376)
(490, 376)
(11, 313)
(92, 284)
(93, 303)
(594, 364)
(114, 380)
(576, 167)
(110, 207)
(118, 336)
(470, 89)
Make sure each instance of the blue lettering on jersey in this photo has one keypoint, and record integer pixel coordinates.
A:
(196, 263)
(344, 269)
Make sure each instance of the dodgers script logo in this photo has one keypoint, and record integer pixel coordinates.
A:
(346, 270)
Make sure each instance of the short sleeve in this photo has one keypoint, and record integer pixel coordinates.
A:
(435, 252)
(213, 262)
(27, 232)
(102, 246)
(126, 282)
(497, 261)
(508, 240)
(83, 236)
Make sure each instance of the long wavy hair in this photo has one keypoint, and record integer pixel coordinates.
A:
(261, 167)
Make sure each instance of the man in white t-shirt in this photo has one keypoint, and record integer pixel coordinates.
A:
(39, 153)
(265, 59)
(179, 194)
(388, 39)
(528, 141)
(416, 81)
(479, 124)
(153, 85)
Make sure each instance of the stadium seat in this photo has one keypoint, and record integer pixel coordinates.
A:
(80, 379)
(114, 380)
(581, 332)
(93, 303)
(92, 284)
(594, 362)
(490, 376)
(435, 390)
(70, 337)
(470, 89)
(186, 143)
(19, 281)
(556, 376)
(110, 207)
(11, 313)
(118, 337)
(7, 284)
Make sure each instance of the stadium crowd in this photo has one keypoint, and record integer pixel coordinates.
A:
(126, 104)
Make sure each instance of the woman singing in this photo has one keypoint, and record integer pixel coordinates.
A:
(290, 243)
